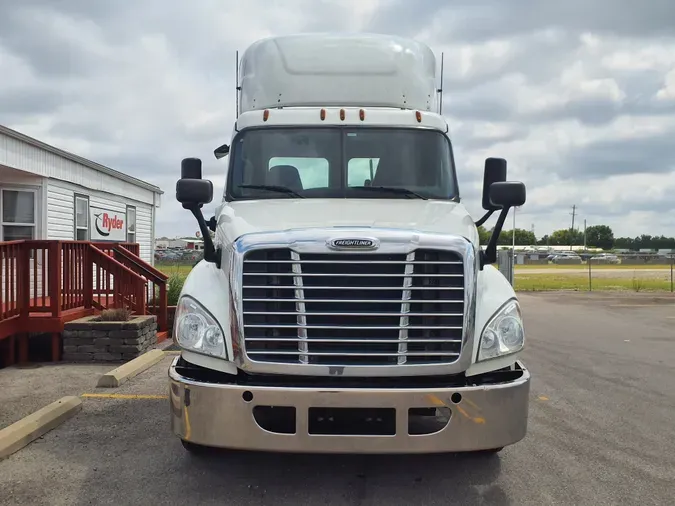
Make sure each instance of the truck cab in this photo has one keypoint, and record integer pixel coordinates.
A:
(344, 303)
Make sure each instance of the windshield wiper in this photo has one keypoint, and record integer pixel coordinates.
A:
(391, 189)
(273, 188)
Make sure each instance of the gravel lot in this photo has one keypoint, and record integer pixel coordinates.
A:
(24, 390)
(601, 431)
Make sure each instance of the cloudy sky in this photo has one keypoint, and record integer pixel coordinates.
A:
(578, 96)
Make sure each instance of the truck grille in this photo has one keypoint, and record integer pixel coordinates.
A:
(353, 308)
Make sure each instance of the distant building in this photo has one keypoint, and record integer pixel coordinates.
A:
(180, 243)
(162, 243)
(195, 244)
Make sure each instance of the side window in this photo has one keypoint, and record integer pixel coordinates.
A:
(18, 216)
(131, 224)
(361, 169)
(313, 172)
(81, 218)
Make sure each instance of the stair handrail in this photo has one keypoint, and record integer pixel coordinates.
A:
(157, 277)
(139, 281)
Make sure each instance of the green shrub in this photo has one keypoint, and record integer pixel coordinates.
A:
(120, 314)
(637, 284)
(175, 285)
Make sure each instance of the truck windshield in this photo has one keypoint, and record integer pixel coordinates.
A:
(341, 162)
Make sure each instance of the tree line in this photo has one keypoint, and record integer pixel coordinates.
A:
(597, 236)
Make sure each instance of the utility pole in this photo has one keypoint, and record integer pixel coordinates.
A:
(584, 234)
(513, 239)
(574, 214)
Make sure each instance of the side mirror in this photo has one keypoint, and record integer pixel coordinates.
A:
(498, 195)
(495, 172)
(194, 191)
(506, 194)
(221, 151)
(191, 168)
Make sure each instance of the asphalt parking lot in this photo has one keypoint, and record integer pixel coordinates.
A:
(601, 431)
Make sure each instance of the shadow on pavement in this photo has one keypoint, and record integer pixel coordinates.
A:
(123, 452)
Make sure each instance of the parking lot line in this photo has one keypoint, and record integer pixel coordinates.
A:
(124, 396)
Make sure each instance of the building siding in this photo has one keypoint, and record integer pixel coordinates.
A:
(61, 213)
(24, 156)
(144, 228)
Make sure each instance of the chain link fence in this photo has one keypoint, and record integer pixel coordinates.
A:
(584, 271)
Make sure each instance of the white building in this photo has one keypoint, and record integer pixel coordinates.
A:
(48, 193)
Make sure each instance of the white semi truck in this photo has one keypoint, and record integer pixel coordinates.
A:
(345, 303)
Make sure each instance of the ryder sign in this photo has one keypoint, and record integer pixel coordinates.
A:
(107, 225)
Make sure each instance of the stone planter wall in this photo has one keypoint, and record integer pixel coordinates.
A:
(90, 340)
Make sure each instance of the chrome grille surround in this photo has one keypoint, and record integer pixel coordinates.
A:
(316, 241)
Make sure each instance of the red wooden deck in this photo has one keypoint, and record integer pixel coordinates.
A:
(45, 284)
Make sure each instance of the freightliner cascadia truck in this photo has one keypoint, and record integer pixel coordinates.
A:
(344, 303)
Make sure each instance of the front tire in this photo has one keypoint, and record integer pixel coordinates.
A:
(194, 449)
(491, 451)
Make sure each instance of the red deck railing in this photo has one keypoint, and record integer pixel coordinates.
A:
(10, 258)
(156, 283)
(75, 262)
(113, 284)
(43, 280)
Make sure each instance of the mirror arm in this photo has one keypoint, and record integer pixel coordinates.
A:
(212, 223)
(211, 254)
(489, 254)
(485, 217)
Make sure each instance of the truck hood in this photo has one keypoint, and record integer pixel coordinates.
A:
(435, 216)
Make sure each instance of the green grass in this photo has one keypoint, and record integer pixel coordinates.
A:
(177, 274)
(169, 269)
(542, 282)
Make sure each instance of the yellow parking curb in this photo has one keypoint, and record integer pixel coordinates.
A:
(125, 372)
(35, 425)
(124, 396)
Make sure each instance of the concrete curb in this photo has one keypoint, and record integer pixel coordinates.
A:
(125, 372)
(28, 429)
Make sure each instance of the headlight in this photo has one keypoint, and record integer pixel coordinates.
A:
(196, 330)
(503, 334)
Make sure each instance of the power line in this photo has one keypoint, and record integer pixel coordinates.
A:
(584, 233)
(574, 214)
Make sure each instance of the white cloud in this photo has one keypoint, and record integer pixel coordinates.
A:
(668, 90)
(582, 107)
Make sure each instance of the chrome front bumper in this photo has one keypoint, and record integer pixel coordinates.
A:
(221, 415)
